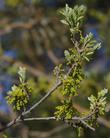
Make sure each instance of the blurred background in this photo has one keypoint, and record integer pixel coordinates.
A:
(32, 36)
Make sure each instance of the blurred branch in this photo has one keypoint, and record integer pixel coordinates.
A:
(104, 122)
(9, 27)
(48, 46)
(28, 50)
(21, 25)
(49, 133)
(31, 69)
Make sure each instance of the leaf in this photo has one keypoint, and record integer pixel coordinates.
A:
(22, 74)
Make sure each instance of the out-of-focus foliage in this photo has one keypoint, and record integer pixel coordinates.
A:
(104, 20)
(14, 3)
(34, 47)
(17, 3)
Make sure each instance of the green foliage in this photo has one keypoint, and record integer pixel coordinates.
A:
(83, 48)
(19, 96)
(73, 17)
(66, 110)
(89, 46)
(36, 1)
(71, 74)
(14, 3)
(4, 136)
(98, 103)
(22, 75)
(97, 107)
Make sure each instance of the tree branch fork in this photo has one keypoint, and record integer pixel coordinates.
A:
(74, 120)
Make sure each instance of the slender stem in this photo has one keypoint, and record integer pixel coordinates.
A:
(75, 119)
(42, 99)
(40, 119)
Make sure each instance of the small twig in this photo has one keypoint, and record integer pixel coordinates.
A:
(10, 124)
(31, 69)
(89, 115)
(39, 119)
(43, 98)
(70, 70)
(87, 125)
(74, 119)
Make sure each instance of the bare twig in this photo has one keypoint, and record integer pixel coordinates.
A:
(74, 119)
(43, 98)
(39, 119)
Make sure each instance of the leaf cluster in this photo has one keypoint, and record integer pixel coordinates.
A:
(19, 96)
(83, 48)
(73, 17)
(98, 103)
